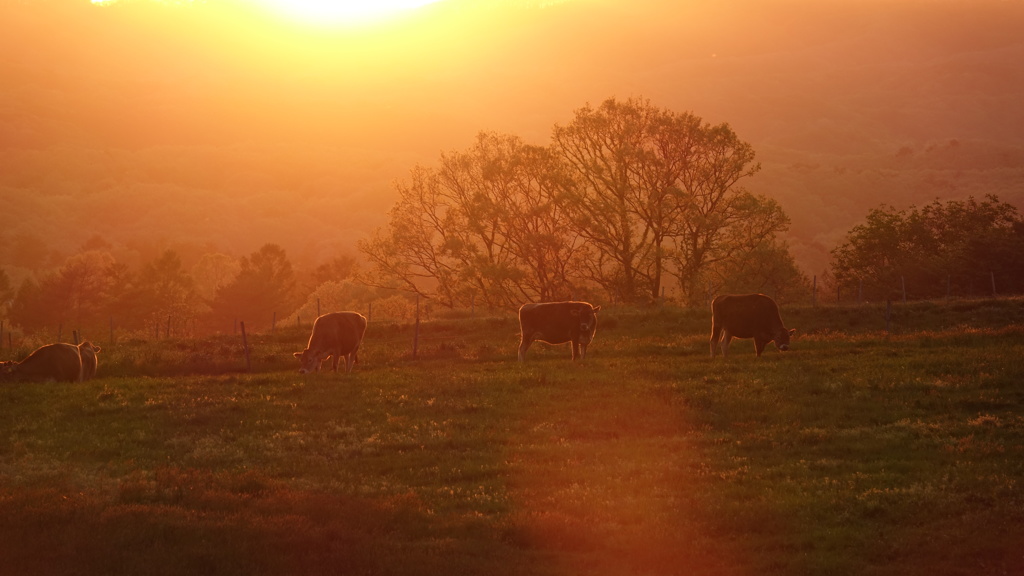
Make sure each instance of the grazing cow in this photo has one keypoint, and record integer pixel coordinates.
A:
(558, 323)
(335, 334)
(60, 362)
(747, 316)
(87, 350)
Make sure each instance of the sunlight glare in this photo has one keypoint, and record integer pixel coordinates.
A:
(342, 11)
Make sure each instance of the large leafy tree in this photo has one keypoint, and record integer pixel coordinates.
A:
(657, 193)
(74, 295)
(626, 196)
(723, 221)
(416, 251)
(627, 160)
(487, 223)
(264, 286)
(956, 245)
(213, 271)
(166, 291)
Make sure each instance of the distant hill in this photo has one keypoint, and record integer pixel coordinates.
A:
(203, 128)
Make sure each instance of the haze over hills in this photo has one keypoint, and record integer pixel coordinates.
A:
(210, 127)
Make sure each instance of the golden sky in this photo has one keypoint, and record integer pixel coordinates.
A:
(232, 97)
(341, 12)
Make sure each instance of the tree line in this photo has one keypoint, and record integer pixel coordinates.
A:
(959, 248)
(626, 201)
(91, 290)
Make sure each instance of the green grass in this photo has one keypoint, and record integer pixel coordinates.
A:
(859, 452)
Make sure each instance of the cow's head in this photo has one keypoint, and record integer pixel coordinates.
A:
(89, 348)
(782, 338)
(309, 360)
(587, 316)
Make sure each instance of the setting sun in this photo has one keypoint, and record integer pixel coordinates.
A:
(342, 11)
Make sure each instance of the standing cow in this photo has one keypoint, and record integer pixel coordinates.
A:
(88, 351)
(558, 323)
(334, 335)
(60, 362)
(747, 316)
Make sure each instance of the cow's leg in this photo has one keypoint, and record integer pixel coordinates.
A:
(524, 344)
(349, 361)
(575, 349)
(759, 344)
(335, 359)
(583, 350)
(726, 338)
(716, 335)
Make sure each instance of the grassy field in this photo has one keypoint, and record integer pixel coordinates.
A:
(859, 452)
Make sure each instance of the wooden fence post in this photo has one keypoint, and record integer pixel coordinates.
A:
(416, 331)
(273, 324)
(245, 347)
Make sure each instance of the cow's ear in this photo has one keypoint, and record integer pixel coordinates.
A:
(792, 331)
(97, 349)
(297, 354)
(597, 308)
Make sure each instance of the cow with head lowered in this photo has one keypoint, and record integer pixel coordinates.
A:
(53, 362)
(747, 316)
(335, 335)
(558, 323)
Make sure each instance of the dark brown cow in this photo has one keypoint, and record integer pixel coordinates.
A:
(88, 351)
(334, 335)
(60, 362)
(747, 316)
(558, 323)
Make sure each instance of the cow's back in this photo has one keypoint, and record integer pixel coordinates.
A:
(61, 362)
(746, 315)
(339, 331)
(552, 321)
